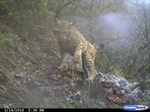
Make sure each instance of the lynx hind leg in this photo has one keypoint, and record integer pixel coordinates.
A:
(89, 58)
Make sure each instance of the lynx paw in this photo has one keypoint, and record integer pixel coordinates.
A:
(62, 67)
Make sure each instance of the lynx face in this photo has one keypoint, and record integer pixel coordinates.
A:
(62, 30)
(71, 41)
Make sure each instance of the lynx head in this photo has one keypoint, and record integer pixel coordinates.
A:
(62, 29)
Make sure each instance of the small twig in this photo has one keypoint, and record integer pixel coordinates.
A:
(89, 88)
(11, 61)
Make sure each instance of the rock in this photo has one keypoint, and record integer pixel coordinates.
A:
(120, 89)
(21, 75)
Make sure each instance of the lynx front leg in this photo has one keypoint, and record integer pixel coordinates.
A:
(89, 66)
(63, 65)
(91, 75)
(89, 57)
(78, 57)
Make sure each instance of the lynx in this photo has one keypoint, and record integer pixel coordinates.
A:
(71, 41)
